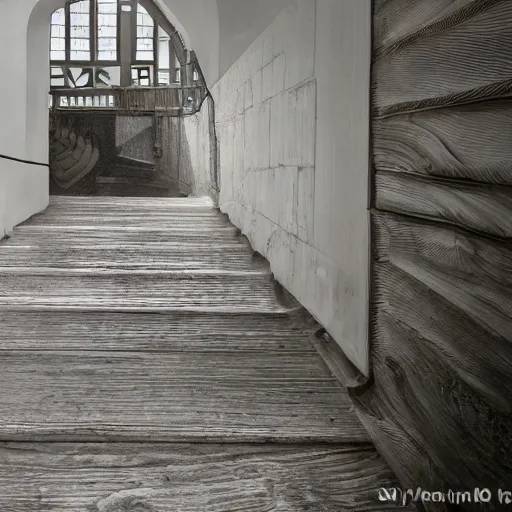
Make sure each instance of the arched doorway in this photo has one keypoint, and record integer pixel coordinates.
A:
(121, 79)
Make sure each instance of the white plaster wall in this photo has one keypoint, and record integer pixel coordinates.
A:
(23, 192)
(292, 121)
(199, 24)
(240, 23)
(24, 120)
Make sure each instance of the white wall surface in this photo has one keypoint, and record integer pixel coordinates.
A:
(241, 22)
(24, 120)
(293, 121)
(199, 24)
(23, 192)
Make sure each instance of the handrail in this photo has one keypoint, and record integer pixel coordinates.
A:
(174, 100)
(23, 161)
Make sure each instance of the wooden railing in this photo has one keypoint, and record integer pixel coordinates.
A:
(172, 101)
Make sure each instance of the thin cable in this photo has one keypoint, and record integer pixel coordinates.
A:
(30, 162)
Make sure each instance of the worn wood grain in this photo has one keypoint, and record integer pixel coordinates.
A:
(476, 354)
(115, 237)
(471, 273)
(114, 220)
(465, 440)
(448, 143)
(173, 396)
(440, 406)
(466, 51)
(147, 291)
(131, 332)
(163, 478)
(75, 368)
(484, 209)
(233, 258)
(396, 20)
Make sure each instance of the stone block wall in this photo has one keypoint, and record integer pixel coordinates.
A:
(267, 123)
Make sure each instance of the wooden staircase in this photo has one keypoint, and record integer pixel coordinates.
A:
(134, 178)
(148, 365)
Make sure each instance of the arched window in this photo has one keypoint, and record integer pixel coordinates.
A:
(88, 38)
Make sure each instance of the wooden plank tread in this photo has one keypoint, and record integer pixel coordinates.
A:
(190, 478)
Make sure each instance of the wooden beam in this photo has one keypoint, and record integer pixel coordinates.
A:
(126, 42)
(160, 18)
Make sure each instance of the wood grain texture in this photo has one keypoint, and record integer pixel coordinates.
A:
(153, 292)
(112, 237)
(483, 209)
(440, 406)
(189, 478)
(465, 440)
(132, 332)
(471, 273)
(75, 368)
(440, 60)
(233, 258)
(448, 143)
(173, 396)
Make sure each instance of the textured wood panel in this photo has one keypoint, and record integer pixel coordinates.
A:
(484, 209)
(448, 143)
(440, 406)
(405, 248)
(189, 478)
(463, 56)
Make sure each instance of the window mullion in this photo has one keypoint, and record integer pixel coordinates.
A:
(67, 31)
(93, 32)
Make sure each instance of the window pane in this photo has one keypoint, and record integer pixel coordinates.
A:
(58, 34)
(59, 17)
(107, 20)
(109, 76)
(145, 45)
(80, 30)
(145, 34)
(107, 29)
(107, 32)
(164, 61)
(57, 82)
(80, 55)
(107, 55)
(163, 78)
(107, 6)
(145, 55)
(57, 55)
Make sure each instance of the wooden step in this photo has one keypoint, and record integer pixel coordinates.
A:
(235, 258)
(190, 478)
(50, 395)
(144, 292)
(246, 332)
(117, 203)
(105, 236)
(162, 221)
(148, 323)
(179, 377)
